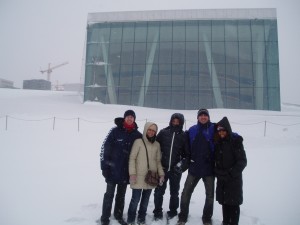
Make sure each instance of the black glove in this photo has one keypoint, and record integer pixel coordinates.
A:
(177, 169)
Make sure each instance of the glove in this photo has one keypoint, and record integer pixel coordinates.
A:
(161, 180)
(178, 170)
(132, 179)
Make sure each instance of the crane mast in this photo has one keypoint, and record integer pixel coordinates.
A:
(50, 69)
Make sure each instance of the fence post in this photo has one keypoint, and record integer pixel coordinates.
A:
(265, 128)
(6, 122)
(78, 125)
(53, 122)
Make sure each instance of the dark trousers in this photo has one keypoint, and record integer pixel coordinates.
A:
(142, 196)
(231, 214)
(108, 200)
(174, 183)
(189, 186)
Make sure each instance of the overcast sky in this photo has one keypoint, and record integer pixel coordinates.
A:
(34, 33)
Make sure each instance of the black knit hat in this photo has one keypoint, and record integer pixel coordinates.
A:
(130, 113)
(202, 111)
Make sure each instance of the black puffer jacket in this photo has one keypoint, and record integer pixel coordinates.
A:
(230, 161)
(174, 145)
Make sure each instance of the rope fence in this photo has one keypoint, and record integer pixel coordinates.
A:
(79, 121)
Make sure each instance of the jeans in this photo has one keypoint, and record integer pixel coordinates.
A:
(142, 196)
(174, 183)
(108, 200)
(189, 186)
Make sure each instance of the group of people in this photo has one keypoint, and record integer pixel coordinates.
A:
(207, 150)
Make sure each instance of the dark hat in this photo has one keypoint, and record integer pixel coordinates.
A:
(130, 113)
(202, 111)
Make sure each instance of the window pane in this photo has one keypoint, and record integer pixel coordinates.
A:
(178, 31)
(153, 32)
(178, 53)
(257, 28)
(191, 30)
(232, 54)
(218, 52)
(128, 32)
(177, 75)
(191, 52)
(231, 33)
(114, 53)
(218, 30)
(232, 75)
(205, 30)
(116, 33)
(245, 52)
(127, 56)
(244, 30)
(139, 53)
(165, 52)
(165, 31)
(140, 32)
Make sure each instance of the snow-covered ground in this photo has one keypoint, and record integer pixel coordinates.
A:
(49, 160)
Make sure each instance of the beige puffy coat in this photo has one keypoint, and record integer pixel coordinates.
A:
(138, 160)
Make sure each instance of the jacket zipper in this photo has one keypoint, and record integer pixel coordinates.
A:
(170, 158)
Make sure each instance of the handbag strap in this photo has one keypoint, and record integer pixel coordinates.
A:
(146, 153)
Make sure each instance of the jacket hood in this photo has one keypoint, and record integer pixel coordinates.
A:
(225, 123)
(178, 116)
(146, 127)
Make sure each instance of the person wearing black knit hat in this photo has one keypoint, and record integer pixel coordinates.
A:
(201, 166)
(202, 111)
(114, 158)
(129, 112)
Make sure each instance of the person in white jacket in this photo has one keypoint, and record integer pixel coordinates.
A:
(138, 168)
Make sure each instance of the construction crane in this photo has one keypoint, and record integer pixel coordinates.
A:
(50, 69)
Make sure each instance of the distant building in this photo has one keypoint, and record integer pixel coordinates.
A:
(184, 59)
(73, 87)
(6, 83)
(37, 84)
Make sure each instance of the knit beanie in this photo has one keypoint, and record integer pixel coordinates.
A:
(202, 111)
(130, 113)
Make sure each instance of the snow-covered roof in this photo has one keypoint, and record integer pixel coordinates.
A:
(186, 14)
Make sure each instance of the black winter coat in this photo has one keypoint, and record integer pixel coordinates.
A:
(174, 147)
(115, 153)
(230, 161)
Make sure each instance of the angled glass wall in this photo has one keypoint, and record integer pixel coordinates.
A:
(184, 64)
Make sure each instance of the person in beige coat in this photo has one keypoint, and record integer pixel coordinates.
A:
(138, 169)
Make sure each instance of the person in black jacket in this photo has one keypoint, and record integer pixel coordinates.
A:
(230, 161)
(114, 158)
(175, 157)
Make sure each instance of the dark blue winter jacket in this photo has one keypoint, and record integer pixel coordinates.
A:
(115, 153)
(202, 149)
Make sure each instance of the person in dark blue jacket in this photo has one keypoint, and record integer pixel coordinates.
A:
(201, 167)
(175, 156)
(114, 159)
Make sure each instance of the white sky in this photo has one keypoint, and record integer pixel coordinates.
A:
(35, 33)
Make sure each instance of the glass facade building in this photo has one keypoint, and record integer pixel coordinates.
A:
(184, 59)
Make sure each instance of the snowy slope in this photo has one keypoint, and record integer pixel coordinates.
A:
(49, 160)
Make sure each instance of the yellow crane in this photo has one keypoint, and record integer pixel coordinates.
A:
(50, 69)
